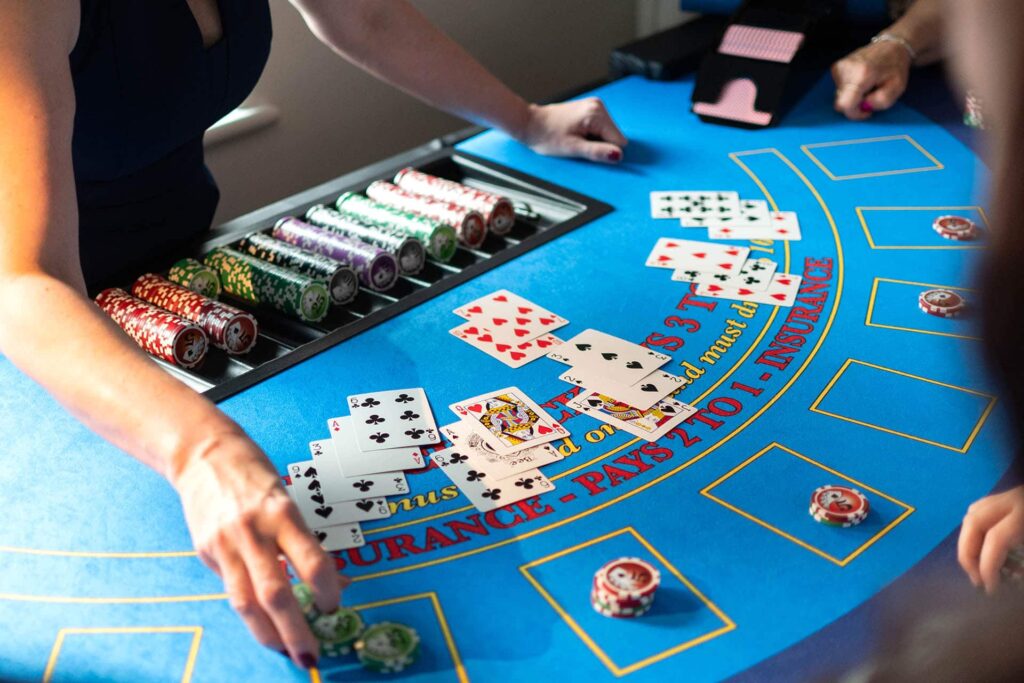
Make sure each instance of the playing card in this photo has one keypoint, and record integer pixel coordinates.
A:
(508, 420)
(343, 451)
(642, 395)
(693, 203)
(509, 317)
(602, 355)
(336, 488)
(390, 419)
(307, 493)
(482, 490)
(513, 354)
(781, 291)
(679, 254)
(756, 274)
(340, 536)
(748, 212)
(650, 424)
(781, 225)
(483, 457)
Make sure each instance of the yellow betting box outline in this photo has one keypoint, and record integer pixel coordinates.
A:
(953, 245)
(735, 157)
(842, 562)
(727, 623)
(442, 622)
(957, 449)
(924, 285)
(186, 676)
(936, 164)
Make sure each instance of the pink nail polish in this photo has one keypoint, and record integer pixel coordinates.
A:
(866, 107)
(614, 155)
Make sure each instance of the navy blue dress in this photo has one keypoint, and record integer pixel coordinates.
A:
(146, 89)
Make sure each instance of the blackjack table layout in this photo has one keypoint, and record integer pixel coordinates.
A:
(852, 385)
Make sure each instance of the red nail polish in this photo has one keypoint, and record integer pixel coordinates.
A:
(614, 155)
(307, 660)
(866, 107)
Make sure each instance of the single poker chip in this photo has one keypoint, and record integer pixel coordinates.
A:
(956, 228)
(628, 578)
(387, 647)
(304, 594)
(839, 505)
(337, 631)
(944, 303)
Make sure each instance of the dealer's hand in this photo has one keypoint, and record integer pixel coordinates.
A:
(992, 526)
(871, 79)
(241, 520)
(581, 128)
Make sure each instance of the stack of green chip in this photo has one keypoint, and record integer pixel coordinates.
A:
(251, 279)
(193, 275)
(439, 238)
(388, 647)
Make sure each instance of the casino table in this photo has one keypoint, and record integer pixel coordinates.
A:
(854, 385)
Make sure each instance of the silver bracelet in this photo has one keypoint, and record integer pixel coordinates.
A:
(886, 37)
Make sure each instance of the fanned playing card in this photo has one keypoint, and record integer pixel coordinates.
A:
(650, 424)
(509, 420)
(336, 488)
(748, 212)
(392, 419)
(600, 354)
(514, 354)
(756, 274)
(509, 317)
(781, 291)
(334, 537)
(308, 495)
(484, 491)
(485, 458)
(679, 254)
(642, 395)
(678, 203)
(343, 450)
(780, 225)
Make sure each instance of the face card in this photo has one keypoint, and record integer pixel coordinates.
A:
(343, 450)
(642, 395)
(756, 274)
(509, 317)
(483, 457)
(676, 204)
(780, 225)
(514, 354)
(650, 424)
(390, 419)
(308, 496)
(482, 490)
(602, 355)
(508, 420)
(781, 291)
(679, 254)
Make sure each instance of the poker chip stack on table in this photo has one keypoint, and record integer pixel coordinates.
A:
(250, 279)
(838, 505)
(468, 224)
(192, 274)
(227, 327)
(410, 253)
(498, 211)
(624, 588)
(341, 280)
(438, 238)
(942, 303)
(1012, 570)
(724, 271)
(956, 228)
(377, 269)
(159, 332)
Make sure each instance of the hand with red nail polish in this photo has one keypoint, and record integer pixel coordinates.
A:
(581, 128)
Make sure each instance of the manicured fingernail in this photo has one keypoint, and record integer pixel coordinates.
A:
(307, 660)
(866, 107)
(283, 653)
(614, 155)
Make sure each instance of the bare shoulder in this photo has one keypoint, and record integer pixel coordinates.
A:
(39, 27)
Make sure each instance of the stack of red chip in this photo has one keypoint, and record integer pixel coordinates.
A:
(624, 588)
(228, 328)
(956, 228)
(159, 332)
(942, 303)
(837, 505)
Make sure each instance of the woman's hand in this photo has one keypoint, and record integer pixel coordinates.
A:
(241, 520)
(992, 527)
(580, 128)
(871, 79)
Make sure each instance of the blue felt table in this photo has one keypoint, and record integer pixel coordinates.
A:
(98, 580)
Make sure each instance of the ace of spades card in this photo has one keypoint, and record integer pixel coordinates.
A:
(392, 419)
(508, 420)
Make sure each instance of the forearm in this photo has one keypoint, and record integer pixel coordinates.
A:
(923, 27)
(101, 377)
(420, 59)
